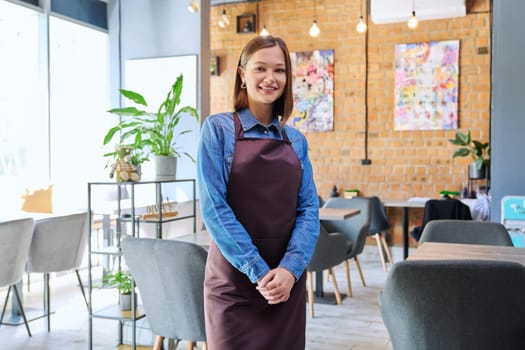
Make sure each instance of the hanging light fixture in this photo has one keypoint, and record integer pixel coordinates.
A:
(193, 6)
(413, 22)
(314, 29)
(224, 20)
(361, 25)
(264, 31)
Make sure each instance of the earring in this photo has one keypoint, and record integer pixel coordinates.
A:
(243, 85)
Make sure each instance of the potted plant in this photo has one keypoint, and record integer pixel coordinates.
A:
(123, 281)
(127, 161)
(154, 132)
(479, 151)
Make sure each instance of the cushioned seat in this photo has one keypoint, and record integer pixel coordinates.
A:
(330, 251)
(170, 278)
(58, 245)
(355, 229)
(15, 240)
(455, 305)
(466, 231)
(436, 209)
(378, 226)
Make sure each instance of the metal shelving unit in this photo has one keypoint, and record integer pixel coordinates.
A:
(126, 212)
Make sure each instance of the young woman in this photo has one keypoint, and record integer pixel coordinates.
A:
(260, 206)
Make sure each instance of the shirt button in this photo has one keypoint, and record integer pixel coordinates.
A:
(265, 131)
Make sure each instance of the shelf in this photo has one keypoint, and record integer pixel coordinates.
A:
(110, 250)
(113, 312)
(123, 216)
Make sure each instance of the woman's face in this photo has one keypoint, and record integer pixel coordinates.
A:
(264, 75)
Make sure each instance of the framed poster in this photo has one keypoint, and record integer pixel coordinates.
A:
(313, 90)
(246, 23)
(426, 85)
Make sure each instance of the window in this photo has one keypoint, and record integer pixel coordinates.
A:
(52, 121)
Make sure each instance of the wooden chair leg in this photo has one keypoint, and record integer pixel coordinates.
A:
(159, 340)
(387, 249)
(338, 298)
(377, 236)
(310, 286)
(359, 270)
(348, 280)
(191, 345)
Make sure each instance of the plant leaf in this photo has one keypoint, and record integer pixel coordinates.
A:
(134, 96)
(461, 152)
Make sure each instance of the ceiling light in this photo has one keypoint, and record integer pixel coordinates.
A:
(264, 31)
(314, 29)
(193, 6)
(413, 22)
(361, 25)
(224, 21)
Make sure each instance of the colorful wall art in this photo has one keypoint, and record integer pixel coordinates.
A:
(313, 90)
(427, 85)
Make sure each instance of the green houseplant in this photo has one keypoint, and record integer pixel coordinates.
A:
(123, 281)
(479, 151)
(153, 132)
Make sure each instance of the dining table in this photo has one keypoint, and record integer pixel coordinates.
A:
(406, 205)
(460, 251)
(202, 238)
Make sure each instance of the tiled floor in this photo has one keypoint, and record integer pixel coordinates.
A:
(356, 324)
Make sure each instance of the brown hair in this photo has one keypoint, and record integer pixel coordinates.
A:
(283, 106)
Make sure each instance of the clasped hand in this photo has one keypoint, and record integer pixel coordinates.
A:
(276, 285)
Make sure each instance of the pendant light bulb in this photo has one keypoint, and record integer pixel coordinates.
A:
(314, 30)
(264, 31)
(193, 6)
(413, 22)
(361, 25)
(224, 21)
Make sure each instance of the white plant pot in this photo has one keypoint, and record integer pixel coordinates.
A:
(165, 167)
(125, 301)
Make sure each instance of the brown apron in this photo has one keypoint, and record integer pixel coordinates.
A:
(262, 191)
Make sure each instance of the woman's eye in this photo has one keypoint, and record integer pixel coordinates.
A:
(259, 69)
(280, 70)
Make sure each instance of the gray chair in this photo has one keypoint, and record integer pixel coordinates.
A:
(170, 278)
(455, 305)
(330, 251)
(15, 239)
(378, 225)
(58, 245)
(355, 230)
(466, 231)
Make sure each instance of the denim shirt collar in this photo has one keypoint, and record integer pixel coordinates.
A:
(248, 121)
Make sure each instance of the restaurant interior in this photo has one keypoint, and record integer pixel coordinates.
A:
(399, 84)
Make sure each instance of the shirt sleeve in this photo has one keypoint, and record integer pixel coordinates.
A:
(227, 232)
(306, 231)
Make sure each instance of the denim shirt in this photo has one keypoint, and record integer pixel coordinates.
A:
(214, 161)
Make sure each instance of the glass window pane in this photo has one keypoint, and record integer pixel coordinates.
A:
(78, 104)
(23, 105)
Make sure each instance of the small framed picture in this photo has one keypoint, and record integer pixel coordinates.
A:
(214, 65)
(246, 23)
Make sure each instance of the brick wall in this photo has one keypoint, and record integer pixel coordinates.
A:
(404, 163)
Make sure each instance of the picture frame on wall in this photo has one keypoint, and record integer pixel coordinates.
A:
(246, 23)
(214, 65)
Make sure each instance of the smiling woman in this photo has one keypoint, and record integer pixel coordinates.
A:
(257, 256)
